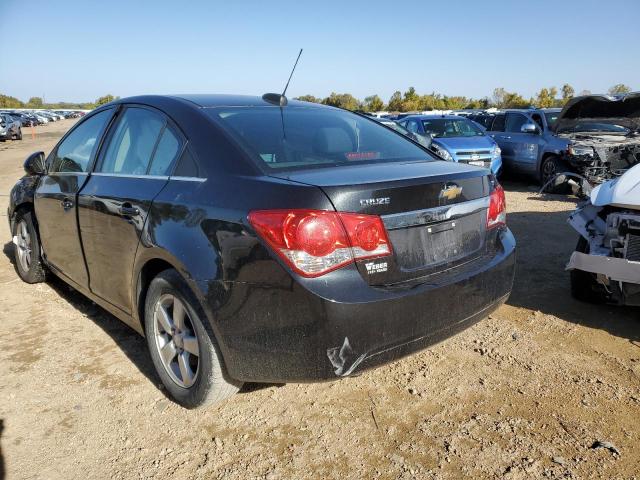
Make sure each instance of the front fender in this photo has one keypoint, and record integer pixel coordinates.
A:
(21, 195)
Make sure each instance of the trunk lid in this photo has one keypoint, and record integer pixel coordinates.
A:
(434, 212)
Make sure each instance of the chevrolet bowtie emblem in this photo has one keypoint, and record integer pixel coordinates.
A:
(451, 191)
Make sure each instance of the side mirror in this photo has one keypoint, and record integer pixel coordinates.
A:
(34, 164)
(529, 128)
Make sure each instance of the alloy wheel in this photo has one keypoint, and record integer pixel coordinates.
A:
(23, 245)
(176, 340)
(548, 170)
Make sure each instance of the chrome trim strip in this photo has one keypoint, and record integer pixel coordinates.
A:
(434, 215)
(189, 179)
(66, 174)
(125, 175)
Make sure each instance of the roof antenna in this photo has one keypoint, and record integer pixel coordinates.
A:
(280, 99)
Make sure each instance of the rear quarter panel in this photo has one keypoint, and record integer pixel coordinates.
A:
(201, 229)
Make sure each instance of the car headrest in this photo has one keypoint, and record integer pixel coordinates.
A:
(329, 140)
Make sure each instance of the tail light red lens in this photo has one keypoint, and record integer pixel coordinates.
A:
(497, 212)
(314, 242)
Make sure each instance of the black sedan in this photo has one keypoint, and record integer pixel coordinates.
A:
(259, 241)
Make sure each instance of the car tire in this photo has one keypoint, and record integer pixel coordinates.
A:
(550, 166)
(584, 286)
(28, 261)
(180, 340)
(19, 135)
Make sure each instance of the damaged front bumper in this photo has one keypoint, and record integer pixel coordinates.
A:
(337, 325)
(614, 269)
(613, 254)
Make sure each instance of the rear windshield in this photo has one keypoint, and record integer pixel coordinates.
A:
(296, 138)
(446, 127)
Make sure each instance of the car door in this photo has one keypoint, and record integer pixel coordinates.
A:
(496, 131)
(525, 146)
(55, 198)
(131, 170)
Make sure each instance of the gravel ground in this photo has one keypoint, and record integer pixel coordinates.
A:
(526, 393)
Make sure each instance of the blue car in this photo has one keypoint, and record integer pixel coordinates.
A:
(457, 139)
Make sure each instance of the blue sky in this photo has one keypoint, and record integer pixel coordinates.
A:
(79, 50)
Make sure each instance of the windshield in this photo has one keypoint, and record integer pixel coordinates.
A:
(446, 127)
(295, 138)
(552, 118)
(596, 127)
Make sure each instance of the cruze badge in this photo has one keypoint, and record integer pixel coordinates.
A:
(370, 202)
(451, 191)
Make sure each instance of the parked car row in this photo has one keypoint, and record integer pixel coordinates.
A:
(592, 139)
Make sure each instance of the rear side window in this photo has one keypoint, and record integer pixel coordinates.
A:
(166, 152)
(187, 166)
(133, 142)
(515, 122)
(75, 152)
(498, 124)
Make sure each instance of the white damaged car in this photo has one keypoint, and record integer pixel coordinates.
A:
(606, 264)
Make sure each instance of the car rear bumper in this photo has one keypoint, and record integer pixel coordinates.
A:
(327, 328)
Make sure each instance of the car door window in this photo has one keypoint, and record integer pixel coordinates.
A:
(538, 119)
(166, 152)
(498, 123)
(75, 152)
(514, 122)
(412, 126)
(133, 142)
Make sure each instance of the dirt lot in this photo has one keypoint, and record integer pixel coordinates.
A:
(523, 394)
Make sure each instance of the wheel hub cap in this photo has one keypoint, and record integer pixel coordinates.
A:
(176, 340)
(22, 241)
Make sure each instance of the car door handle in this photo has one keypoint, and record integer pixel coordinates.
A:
(126, 210)
(66, 204)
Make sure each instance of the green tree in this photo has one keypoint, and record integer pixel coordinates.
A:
(505, 99)
(395, 102)
(373, 103)
(309, 98)
(546, 97)
(34, 102)
(478, 103)
(567, 93)
(410, 100)
(105, 99)
(342, 100)
(619, 88)
(7, 101)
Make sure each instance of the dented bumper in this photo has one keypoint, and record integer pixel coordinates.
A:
(337, 325)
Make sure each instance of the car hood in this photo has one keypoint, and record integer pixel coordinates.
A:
(622, 192)
(464, 143)
(622, 109)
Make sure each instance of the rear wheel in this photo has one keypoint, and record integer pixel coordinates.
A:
(584, 286)
(182, 345)
(28, 261)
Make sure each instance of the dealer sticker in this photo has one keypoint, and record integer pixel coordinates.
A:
(373, 267)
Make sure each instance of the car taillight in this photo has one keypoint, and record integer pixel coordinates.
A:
(314, 242)
(497, 212)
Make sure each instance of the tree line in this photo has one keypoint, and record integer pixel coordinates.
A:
(7, 101)
(410, 100)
